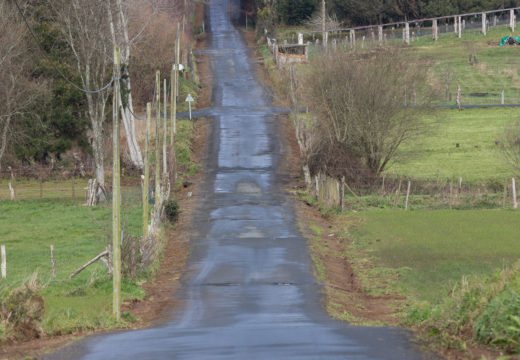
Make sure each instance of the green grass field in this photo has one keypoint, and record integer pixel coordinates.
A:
(30, 225)
(448, 63)
(477, 159)
(497, 68)
(434, 249)
(78, 233)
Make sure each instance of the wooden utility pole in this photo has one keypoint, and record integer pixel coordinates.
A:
(177, 61)
(116, 193)
(324, 24)
(146, 180)
(165, 128)
(173, 105)
(173, 87)
(158, 138)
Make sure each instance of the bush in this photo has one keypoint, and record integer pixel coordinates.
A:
(21, 312)
(499, 324)
(171, 209)
(486, 308)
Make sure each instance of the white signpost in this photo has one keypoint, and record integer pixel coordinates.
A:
(189, 99)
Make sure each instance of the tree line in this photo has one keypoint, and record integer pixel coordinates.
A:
(56, 75)
(369, 12)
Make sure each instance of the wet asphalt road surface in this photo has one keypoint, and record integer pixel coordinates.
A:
(249, 291)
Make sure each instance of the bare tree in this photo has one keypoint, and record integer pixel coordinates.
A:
(118, 17)
(510, 146)
(86, 29)
(16, 92)
(362, 105)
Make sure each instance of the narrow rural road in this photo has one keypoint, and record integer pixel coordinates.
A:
(249, 291)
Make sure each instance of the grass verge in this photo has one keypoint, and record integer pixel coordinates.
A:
(457, 269)
(78, 233)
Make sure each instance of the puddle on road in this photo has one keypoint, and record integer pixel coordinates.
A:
(253, 233)
(248, 188)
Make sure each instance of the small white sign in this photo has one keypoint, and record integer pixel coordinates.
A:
(179, 67)
(189, 99)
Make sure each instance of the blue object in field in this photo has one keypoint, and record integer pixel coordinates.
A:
(151, 198)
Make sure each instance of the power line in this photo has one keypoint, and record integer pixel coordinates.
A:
(52, 63)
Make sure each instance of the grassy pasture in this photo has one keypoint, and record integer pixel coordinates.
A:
(434, 249)
(496, 69)
(78, 233)
(477, 159)
(30, 225)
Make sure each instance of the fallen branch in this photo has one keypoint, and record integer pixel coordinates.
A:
(104, 253)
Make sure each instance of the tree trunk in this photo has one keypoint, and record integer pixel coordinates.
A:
(126, 112)
(129, 124)
(96, 121)
(3, 139)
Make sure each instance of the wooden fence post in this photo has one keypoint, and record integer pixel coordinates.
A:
(397, 195)
(4, 262)
(352, 34)
(407, 195)
(380, 35)
(455, 23)
(460, 27)
(53, 262)
(73, 190)
(484, 27)
(505, 193)
(11, 192)
(435, 30)
(317, 187)
(342, 193)
(451, 194)
(41, 188)
(513, 187)
(458, 96)
(407, 33)
(512, 20)
(502, 97)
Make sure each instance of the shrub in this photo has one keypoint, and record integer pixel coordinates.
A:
(171, 209)
(21, 312)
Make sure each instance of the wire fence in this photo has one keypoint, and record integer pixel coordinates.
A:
(407, 193)
(61, 184)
